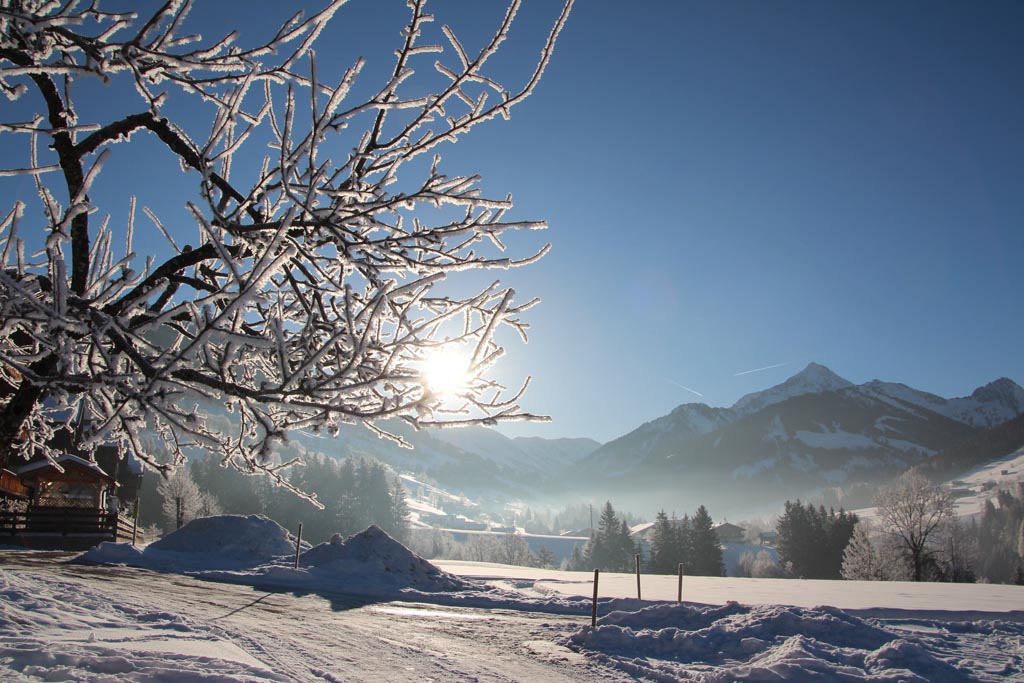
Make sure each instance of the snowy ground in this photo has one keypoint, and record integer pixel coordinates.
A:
(957, 600)
(368, 610)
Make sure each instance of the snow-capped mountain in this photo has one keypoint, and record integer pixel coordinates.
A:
(816, 429)
(988, 406)
(814, 379)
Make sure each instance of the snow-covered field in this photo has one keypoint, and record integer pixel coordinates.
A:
(222, 602)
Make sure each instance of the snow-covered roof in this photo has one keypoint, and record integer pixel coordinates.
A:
(640, 528)
(61, 461)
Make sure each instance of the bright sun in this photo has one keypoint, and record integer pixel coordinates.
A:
(445, 371)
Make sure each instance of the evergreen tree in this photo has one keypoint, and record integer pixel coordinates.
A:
(611, 547)
(811, 541)
(625, 548)
(398, 523)
(684, 540)
(706, 549)
(599, 550)
(665, 550)
(578, 561)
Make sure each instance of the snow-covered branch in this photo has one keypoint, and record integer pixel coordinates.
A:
(313, 293)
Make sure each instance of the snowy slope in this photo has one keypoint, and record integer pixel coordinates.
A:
(979, 485)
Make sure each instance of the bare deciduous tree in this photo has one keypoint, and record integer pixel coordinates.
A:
(308, 294)
(914, 512)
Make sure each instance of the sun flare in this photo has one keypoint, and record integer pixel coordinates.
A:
(445, 371)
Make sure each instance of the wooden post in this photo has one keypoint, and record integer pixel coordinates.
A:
(135, 527)
(298, 546)
(637, 557)
(593, 609)
(679, 596)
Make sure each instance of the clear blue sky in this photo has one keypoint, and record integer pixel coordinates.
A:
(735, 185)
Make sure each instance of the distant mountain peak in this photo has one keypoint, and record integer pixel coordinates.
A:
(1004, 388)
(813, 379)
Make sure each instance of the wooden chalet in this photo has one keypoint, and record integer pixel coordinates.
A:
(70, 503)
(730, 533)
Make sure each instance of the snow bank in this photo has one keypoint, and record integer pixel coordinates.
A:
(112, 553)
(218, 542)
(760, 643)
(253, 538)
(373, 556)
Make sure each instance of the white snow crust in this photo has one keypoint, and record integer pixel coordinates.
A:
(766, 643)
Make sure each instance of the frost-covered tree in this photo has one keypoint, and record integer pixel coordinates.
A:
(182, 499)
(759, 566)
(302, 286)
(861, 561)
(513, 549)
(914, 512)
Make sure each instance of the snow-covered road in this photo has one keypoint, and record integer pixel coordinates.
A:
(171, 628)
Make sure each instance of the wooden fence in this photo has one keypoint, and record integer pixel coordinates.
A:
(64, 526)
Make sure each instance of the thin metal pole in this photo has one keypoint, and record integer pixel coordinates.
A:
(593, 608)
(679, 596)
(637, 557)
(298, 545)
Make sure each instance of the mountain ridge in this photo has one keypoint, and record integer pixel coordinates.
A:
(813, 430)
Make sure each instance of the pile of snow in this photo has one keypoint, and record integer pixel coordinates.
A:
(761, 643)
(257, 551)
(252, 537)
(217, 542)
(372, 555)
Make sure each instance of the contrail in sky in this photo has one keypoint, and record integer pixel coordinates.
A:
(767, 367)
(696, 393)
